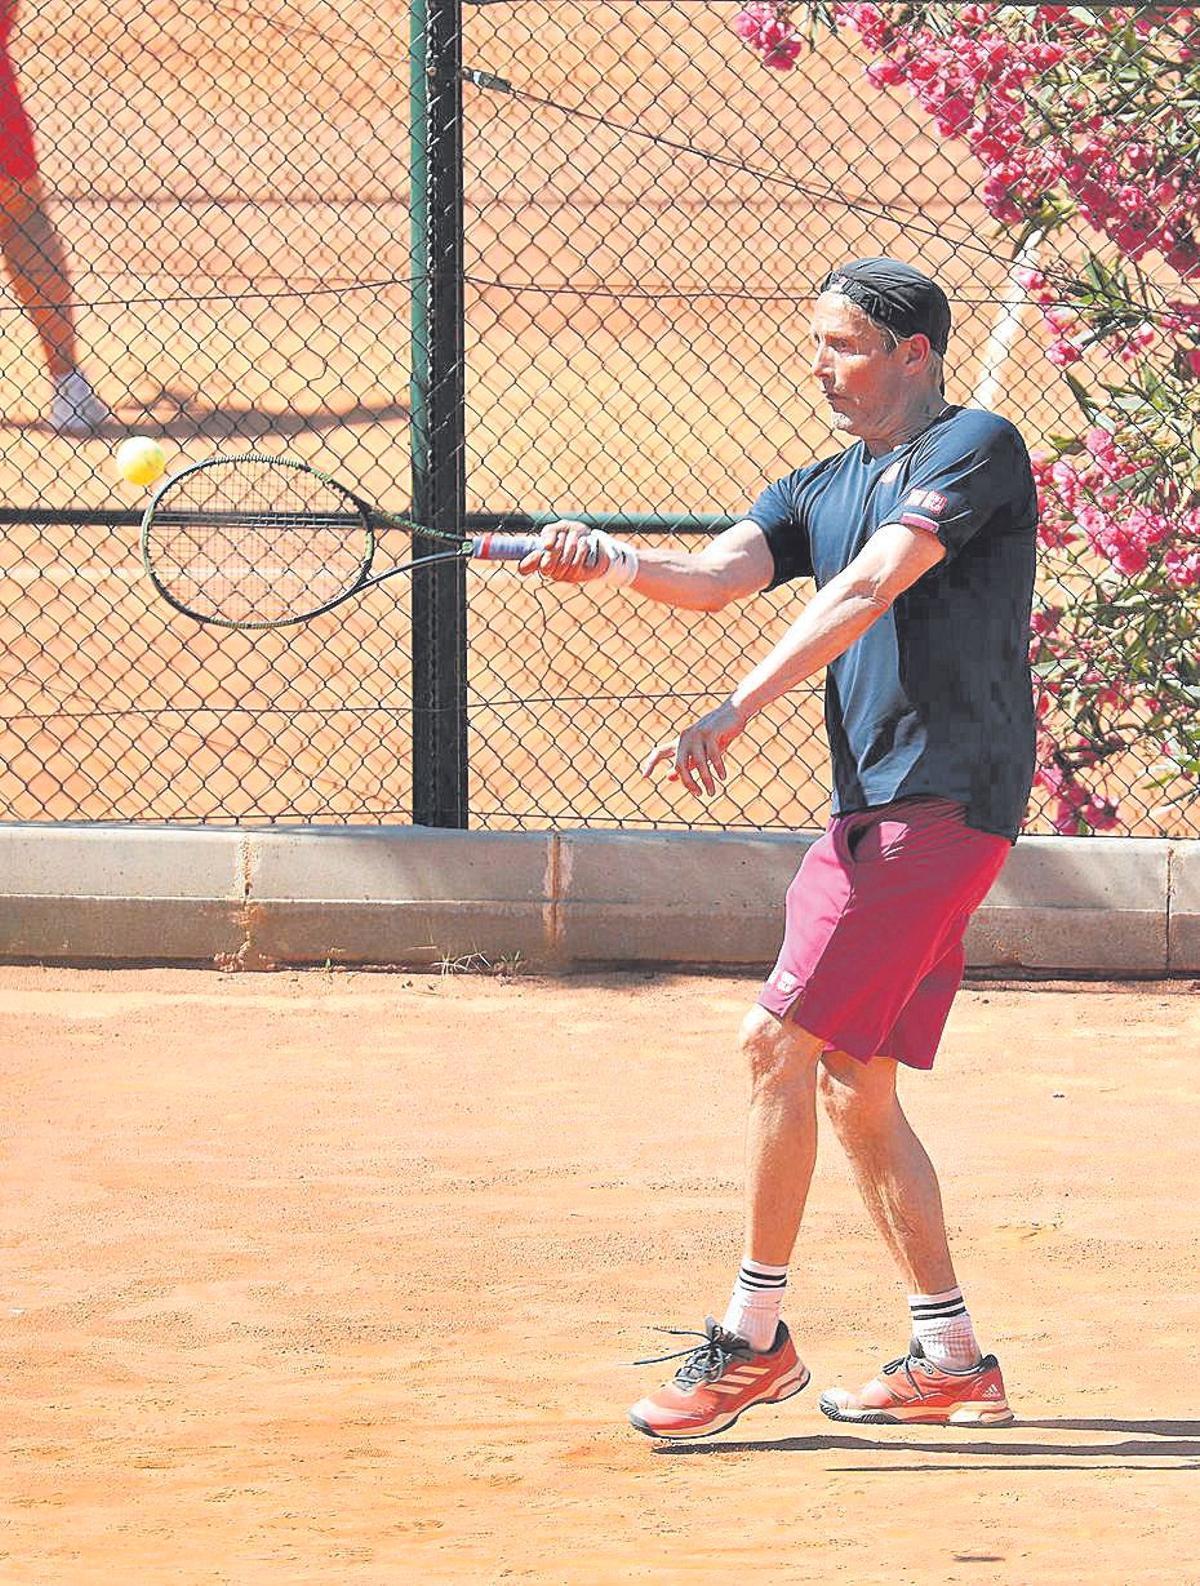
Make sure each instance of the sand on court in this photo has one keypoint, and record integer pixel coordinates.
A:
(337, 1278)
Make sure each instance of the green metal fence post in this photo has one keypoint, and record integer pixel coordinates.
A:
(439, 616)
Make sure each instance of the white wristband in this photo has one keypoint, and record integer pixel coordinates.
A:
(622, 558)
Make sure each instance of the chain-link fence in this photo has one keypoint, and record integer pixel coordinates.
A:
(224, 253)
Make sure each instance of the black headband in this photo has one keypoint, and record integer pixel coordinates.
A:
(896, 295)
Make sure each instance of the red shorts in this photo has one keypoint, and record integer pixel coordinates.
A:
(872, 952)
(17, 160)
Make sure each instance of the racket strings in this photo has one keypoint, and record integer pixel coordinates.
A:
(252, 542)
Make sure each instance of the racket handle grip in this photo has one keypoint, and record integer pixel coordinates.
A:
(504, 547)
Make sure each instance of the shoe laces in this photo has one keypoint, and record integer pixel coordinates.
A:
(901, 1363)
(915, 1357)
(703, 1362)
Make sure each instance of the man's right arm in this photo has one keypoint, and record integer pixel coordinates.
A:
(731, 566)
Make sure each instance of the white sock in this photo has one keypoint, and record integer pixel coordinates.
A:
(756, 1302)
(942, 1326)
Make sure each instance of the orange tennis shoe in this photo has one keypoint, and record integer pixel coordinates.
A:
(719, 1379)
(912, 1390)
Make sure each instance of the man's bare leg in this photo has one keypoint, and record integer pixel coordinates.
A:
(891, 1166)
(781, 1148)
(945, 1380)
(722, 1377)
(781, 1132)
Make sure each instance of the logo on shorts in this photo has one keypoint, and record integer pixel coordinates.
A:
(929, 499)
(785, 982)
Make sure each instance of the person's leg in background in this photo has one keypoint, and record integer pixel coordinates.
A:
(36, 261)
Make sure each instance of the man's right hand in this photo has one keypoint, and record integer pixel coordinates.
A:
(570, 552)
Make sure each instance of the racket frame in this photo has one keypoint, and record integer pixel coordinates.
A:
(369, 516)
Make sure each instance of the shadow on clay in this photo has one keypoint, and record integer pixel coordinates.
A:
(1177, 1441)
(179, 415)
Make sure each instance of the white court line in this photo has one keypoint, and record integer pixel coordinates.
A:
(1004, 331)
(62, 573)
(131, 574)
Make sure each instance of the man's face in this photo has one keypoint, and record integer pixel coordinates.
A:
(866, 385)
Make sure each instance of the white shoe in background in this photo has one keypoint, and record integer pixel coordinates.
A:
(75, 409)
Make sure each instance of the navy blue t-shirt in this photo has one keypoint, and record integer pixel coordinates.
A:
(936, 697)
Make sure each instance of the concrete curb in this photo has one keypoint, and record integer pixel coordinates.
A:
(268, 897)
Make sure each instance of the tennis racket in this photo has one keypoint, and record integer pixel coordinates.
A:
(265, 542)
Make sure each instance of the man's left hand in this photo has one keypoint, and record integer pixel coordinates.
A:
(697, 756)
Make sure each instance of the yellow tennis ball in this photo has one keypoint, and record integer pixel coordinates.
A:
(140, 460)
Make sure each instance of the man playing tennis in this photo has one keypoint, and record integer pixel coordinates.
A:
(921, 540)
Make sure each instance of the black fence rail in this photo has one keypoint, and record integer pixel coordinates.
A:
(498, 262)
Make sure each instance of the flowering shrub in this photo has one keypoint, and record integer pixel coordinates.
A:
(768, 29)
(1083, 124)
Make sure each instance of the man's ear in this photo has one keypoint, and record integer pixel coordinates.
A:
(917, 350)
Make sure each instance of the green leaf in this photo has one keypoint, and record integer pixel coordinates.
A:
(1081, 395)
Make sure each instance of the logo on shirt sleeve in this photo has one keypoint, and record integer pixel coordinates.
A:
(925, 500)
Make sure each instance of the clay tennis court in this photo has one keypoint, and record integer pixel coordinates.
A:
(337, 1278)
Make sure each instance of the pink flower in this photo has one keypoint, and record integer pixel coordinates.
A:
(1127, 556)
(998, 196)
(1046, 620)
(765, 27)
(1101, 814)
(1061, 319)
(869, 21)
(1065, 479)
(1065, 820)
(1130, 348)
(1050, 778)
(781, 57)
(1054, 533)
(1182, 567)
(1046, 56)
(1061, 353)
(774, 32)
(1141, 157)
(1031, 280)
(1100, 444)
(749, 23)
(1146, 527)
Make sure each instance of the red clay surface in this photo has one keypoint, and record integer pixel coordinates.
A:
(337, 1279)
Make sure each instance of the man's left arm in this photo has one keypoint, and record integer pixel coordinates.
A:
(892, 560)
